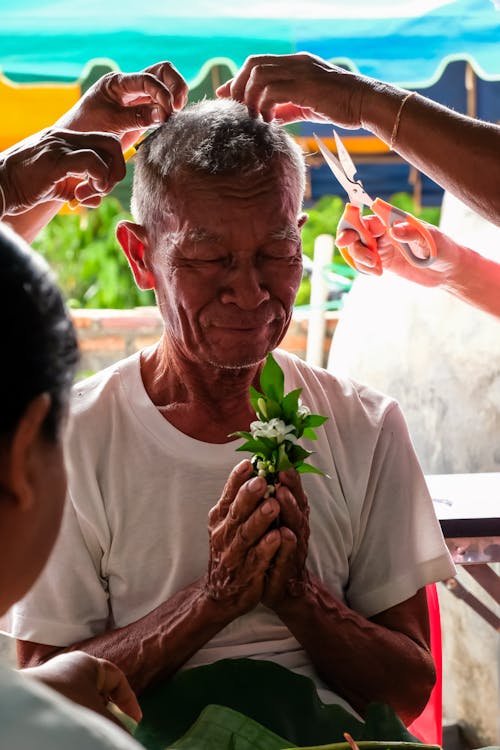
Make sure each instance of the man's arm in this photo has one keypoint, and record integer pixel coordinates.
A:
(454, 150)
(358, 658)
(457, 269)
(241, 550)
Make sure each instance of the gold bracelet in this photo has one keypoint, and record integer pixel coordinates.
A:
(395, 129)
(4, 202)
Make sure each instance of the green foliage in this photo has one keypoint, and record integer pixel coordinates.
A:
(430, 214)
(281, 422)
(90, 266)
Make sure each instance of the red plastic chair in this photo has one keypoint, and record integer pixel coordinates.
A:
(428, 727)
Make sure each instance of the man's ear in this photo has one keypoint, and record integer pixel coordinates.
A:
(134, 241)
(19, 480)
(303, 217)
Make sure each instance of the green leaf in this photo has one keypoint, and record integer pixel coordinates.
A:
(241, 434)
(254, 397)
(309, 434)
(274, 409)
(297, 453)
(309, 469)
(283, 462)
(257, 445)
(314, 420)
(291, 404)
(272, 379)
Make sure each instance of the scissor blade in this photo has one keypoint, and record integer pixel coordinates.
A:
(334, 165)
(348, 165)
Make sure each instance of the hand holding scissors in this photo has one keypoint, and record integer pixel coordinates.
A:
(344, 170)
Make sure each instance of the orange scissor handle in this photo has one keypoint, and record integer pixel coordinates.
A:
(390, 215)
(352, 219)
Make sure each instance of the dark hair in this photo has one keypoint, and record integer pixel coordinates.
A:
(211, 137)
(38, 340)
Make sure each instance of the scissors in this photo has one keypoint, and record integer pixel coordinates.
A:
(344, 170)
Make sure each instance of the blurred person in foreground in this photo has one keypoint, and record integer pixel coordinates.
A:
(37, 707)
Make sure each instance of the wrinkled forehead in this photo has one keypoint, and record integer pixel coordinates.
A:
(203, 207)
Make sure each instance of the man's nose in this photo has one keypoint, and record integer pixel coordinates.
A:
(245, 286)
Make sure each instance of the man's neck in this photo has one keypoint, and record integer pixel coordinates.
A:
(203, 401)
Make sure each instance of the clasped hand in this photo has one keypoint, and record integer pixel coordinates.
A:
(250, 561)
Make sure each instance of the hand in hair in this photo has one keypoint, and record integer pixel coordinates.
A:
(127, 104)
(57, 164)
(89, 681)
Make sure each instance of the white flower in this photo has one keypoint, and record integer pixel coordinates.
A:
(303, 411)
(275, 428)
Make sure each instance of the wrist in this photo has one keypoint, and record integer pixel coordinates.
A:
(380, 107)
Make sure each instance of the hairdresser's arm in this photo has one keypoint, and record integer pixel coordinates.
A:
(457, 269)
(56, 165)
(459, 153)
(125, 104)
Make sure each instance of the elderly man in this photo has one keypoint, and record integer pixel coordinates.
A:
(336, 589)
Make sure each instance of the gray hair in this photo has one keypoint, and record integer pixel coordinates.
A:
(210, 137)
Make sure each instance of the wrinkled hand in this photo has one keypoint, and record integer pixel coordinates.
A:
(57, 164)
(288, 574)
(393, 260)
(241, 544)
(127, 104)
(89, 681)
(297, 87)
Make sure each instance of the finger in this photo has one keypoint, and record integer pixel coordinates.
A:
(224, 90)
(112, 684)
(267, 87)
(260, 556)
(247, 499)
(88, 164)
(237, 477)
(124, 89)
(365, 259)
(291, 479)
(171, 77)
(251, 531)
(239, 83)
(283, 566)
(291, 514)
(404, 232)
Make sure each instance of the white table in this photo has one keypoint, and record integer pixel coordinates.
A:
(468, 508)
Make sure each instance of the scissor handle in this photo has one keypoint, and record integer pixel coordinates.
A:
(390, 215)
(352, 219)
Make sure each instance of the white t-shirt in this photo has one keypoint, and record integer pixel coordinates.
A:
(135, 528)
(34, 716)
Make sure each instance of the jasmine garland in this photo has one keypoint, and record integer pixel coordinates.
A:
(281, 422)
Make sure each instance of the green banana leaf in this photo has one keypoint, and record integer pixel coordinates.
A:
(283, 702)
(221, 728)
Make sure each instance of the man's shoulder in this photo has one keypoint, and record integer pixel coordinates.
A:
(340, 393)
(96, 390)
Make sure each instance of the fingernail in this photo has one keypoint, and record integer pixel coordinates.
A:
(266, 508)
(257, 484)
(243, 467)
(155, 114)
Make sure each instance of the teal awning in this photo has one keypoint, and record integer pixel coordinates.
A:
(407, 42)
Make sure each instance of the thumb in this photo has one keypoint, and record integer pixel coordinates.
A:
(403, 231)
(142, 116)
(112, 683)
